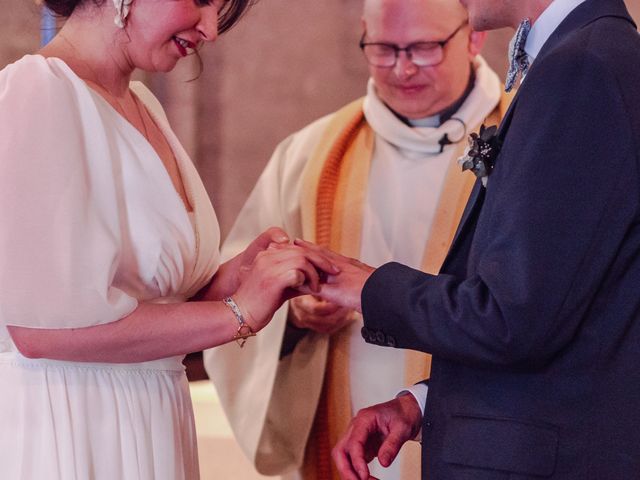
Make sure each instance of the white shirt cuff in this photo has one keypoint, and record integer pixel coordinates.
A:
(419, 392)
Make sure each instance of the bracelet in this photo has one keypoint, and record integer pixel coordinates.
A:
(244, 330)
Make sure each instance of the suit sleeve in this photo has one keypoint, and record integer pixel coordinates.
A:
(558, 206)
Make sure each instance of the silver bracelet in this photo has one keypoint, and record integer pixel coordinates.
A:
(244, 330)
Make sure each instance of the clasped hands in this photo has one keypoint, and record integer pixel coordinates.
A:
(273, 269)
(329, 308)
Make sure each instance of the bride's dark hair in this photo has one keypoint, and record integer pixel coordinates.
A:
(229, 14)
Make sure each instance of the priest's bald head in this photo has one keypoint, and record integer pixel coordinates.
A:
(419, 53)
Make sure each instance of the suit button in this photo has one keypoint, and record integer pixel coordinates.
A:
(380, 338)
(391, 341)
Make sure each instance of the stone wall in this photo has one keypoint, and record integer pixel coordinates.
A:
(20, 29)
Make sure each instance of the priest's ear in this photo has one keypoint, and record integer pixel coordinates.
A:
(476, 42)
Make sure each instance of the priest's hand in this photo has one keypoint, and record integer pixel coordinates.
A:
(343, 289)
(377, 431)
(318, 315)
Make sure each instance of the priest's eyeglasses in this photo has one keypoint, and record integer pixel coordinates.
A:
(422, 54)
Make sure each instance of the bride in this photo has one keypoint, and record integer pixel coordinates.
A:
(106, 232)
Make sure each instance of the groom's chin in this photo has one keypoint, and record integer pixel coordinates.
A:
(487, 14)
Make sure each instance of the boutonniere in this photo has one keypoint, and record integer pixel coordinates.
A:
(481, 153)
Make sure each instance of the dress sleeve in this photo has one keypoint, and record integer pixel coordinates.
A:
(60, 227)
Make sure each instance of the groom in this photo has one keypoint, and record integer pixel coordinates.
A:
(534, 320)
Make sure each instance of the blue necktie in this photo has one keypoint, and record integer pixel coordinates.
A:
(518, 59)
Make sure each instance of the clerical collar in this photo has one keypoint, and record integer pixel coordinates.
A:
(439, 118)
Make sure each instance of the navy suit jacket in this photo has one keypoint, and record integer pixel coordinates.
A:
(534, 321)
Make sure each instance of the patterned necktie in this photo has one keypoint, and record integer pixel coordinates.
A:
(518, 58)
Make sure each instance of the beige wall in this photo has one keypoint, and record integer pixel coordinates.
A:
(19, 32)
(287, 63)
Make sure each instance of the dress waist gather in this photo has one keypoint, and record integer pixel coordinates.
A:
(170, 364)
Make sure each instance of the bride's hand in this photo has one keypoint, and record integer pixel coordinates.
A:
(276, 275)
(227, 278)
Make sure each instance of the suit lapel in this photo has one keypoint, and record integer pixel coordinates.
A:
(471, 205)
(475, 197)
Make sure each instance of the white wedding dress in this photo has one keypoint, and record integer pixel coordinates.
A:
(90, 226)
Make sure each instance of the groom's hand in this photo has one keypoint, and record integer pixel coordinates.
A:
(343, 289)
(377, 431)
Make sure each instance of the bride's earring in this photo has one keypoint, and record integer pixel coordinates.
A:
(122, 11)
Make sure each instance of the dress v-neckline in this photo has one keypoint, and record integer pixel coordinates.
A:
(140, 138)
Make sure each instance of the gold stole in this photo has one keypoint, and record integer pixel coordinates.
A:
(334, 187)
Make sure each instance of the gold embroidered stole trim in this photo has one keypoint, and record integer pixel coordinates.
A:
(334, 188)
